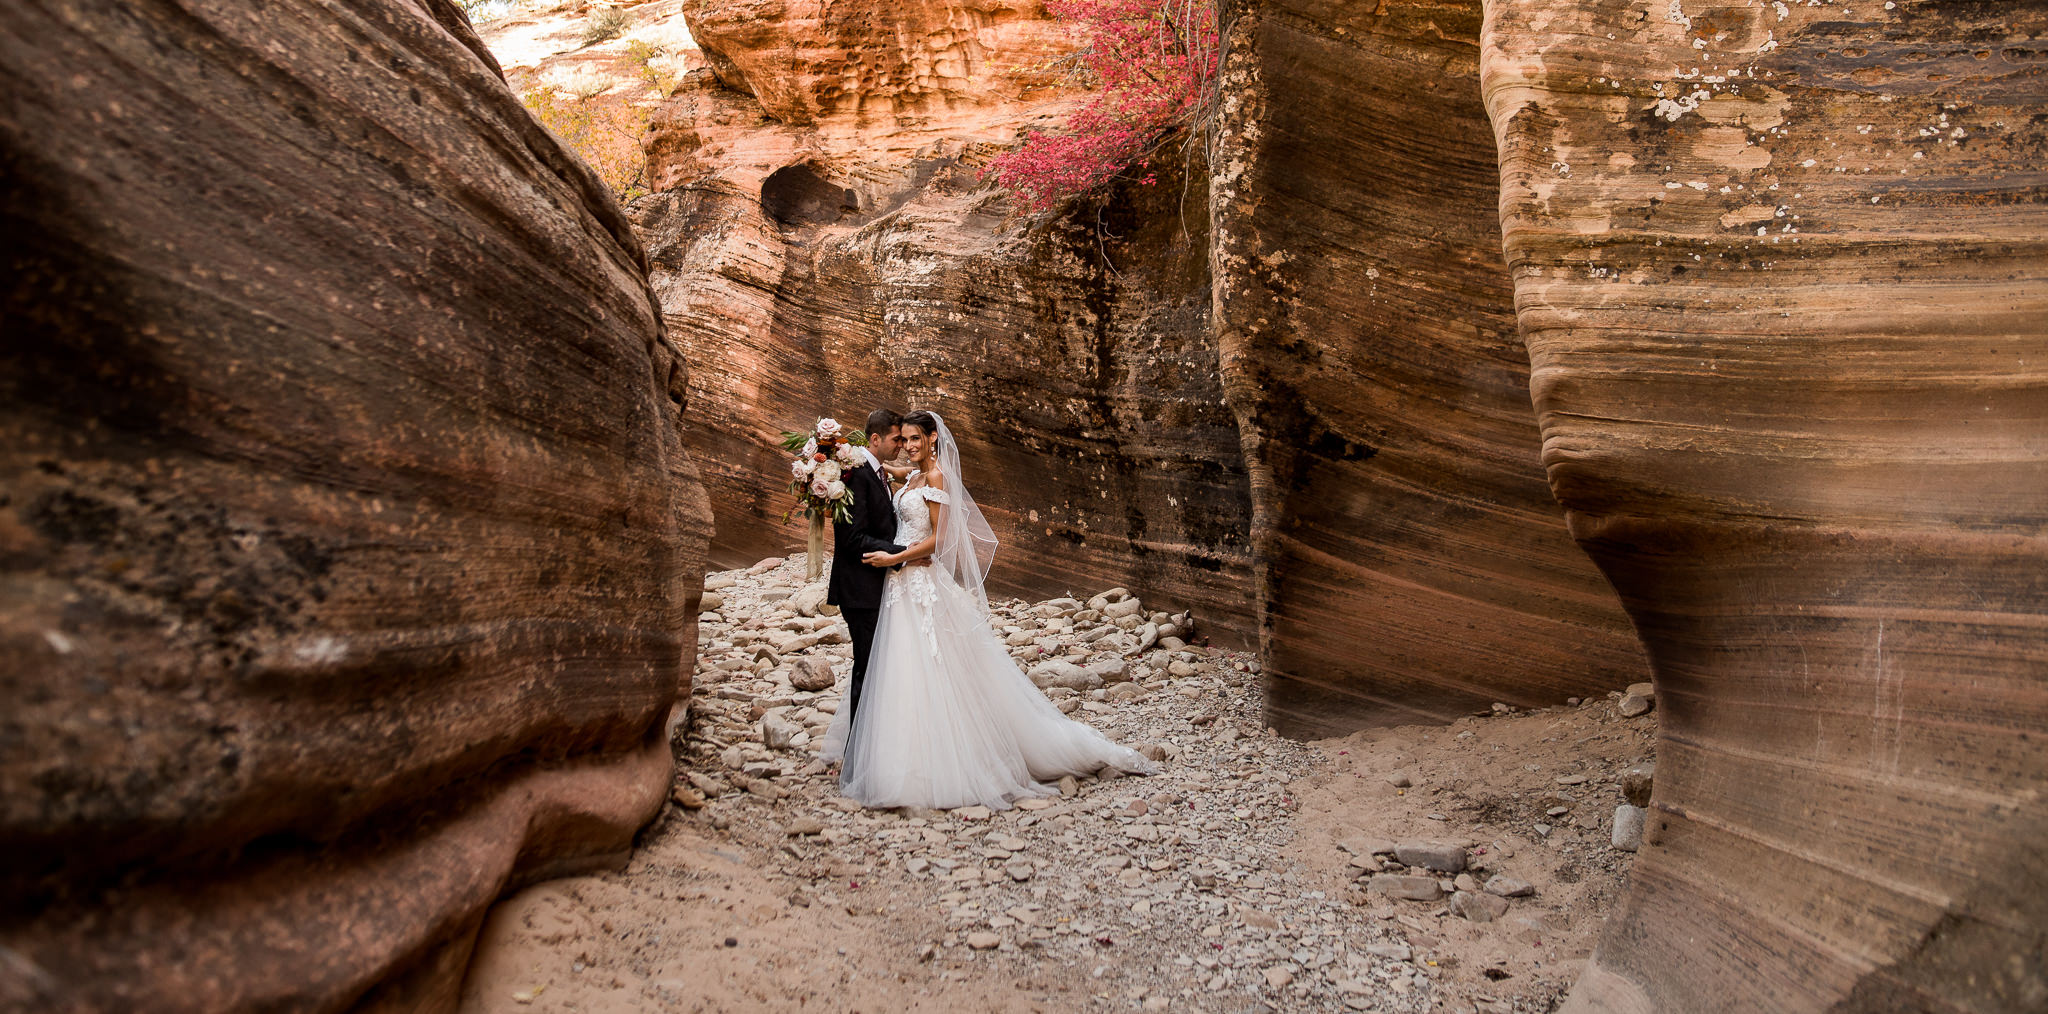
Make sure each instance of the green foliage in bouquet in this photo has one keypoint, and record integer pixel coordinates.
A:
(839, 511)
(830, 451)
(794, 442)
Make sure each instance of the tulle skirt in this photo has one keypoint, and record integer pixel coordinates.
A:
(947, 719)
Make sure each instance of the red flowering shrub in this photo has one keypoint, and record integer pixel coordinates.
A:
(1154, 65)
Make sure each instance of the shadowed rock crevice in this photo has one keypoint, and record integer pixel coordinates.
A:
(794, 195)
(1413, 564)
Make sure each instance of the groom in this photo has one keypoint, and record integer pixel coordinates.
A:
(855, 587)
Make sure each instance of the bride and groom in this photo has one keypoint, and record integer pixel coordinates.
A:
(936, 714)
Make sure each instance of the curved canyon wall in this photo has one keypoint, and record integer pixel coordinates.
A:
(1412, 562)
(1783, 273)
(820, 241)
(350, 547)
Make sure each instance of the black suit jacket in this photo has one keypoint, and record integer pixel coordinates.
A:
(871, 524)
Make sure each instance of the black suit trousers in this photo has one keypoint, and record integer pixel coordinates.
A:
(861, 624)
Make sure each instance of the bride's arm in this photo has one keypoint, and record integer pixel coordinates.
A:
(917, 551)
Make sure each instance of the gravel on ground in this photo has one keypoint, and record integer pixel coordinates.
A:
(1399, 870)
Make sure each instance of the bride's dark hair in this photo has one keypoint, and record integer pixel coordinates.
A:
(923, 421)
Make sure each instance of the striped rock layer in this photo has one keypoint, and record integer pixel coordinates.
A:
(1413, 565)
(1782, 269)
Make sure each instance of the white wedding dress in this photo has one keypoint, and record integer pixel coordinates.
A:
(946, 718)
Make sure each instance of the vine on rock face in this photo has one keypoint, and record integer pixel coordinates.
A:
(1154, 64)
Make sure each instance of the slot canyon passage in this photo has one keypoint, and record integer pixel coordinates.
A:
(1558, 487)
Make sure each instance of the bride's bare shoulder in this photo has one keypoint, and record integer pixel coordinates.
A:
(935, 479)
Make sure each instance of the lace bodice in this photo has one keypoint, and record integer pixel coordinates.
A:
(914, 525)
(913, 518)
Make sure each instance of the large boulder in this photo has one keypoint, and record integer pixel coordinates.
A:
(1412, 562)
(347, 542)
(1779, 267)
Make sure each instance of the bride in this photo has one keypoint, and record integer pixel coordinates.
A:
(946, 718)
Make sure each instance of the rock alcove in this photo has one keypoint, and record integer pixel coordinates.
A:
(797, 195)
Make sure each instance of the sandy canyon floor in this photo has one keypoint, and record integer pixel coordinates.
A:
(1251, 874)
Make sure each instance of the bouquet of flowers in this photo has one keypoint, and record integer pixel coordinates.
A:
(822, 456)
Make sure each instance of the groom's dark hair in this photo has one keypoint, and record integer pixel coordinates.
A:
(882, 420)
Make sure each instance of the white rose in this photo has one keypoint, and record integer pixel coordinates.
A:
(848, 454)
(810, 448)
(834, 490)
(827, 472)
(818, 488)
(828, 427)
(801, 467)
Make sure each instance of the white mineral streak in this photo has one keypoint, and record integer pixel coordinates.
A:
(1673, 109)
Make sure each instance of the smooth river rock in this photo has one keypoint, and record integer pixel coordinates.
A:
(348, 545)
(1780, 267)
(1443, 857)
(1410, 888)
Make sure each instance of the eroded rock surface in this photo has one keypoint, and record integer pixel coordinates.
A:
(865, 86)
(1780, 269)
(821, 242)
(1413, 564)
(349, 542)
